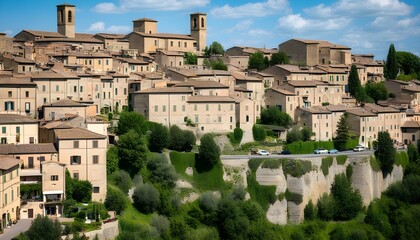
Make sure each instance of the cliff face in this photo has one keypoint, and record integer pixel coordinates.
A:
(313, 184)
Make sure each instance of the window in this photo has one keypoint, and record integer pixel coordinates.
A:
(231, 119)
(207, 107)
(219, 107)
(75, 144)
(3, 129)
(95, 189)
(174, 108)
(247, 118)
(9, 94)
(172, 43)
(95, 144)
(156, 108)
(99, 61)
(95, 159)
(57, 88)
(9, 105)
(156, 43)
(54, 177)
(196, 118)
(76, 175)
(183, 108)
(31, 140)
(30, 162)
(70, 16)
(107, 62)
(202, 22)
(42, 159)
(81, 88)
(179, 44)
(75, 160)
(44, 88)
(185, 44)
(219, 119)
(27, 94)
(116, 91)
(27, 107)
(164, 108)
(74, 88)
(17, 130)
(183, 98)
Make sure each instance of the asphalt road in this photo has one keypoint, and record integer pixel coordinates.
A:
(349, 153)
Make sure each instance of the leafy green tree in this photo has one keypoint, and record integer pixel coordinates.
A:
(161, 223)
(69, 185)
(231, 221)
(326, 207)
(82, 190)
(348, 202)
(181, 140)
(190, 58)
(413, 154)
(111, 160)
(377, 91)
(189, 140)
(306, 134)
(43, 228)
(273, 116)
(310, 211)
(355, 87)
(158, 137)
(257, 61)
(218, 65)
(132, 152)
(408, 62)
(238, 134)
(208, 151)
(161, 171)
(214, 49)
(258, 133)
(131, 121)
(294, 135)
(178, 228)
(208, 202)
(391, 65)
(146, 198)
(122, 180)
(343, 133)
(115, 200)
(378, 218)
(279, 58)
(385, 153)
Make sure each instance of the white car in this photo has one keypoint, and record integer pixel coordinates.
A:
(321, 151)
(359, 148)
(263, 152)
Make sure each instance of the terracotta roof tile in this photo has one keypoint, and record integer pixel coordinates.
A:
(14, 118)
(7, 162)
(76, 133)
(210, 99)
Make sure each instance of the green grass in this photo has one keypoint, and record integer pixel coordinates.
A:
(254, 163)
(263, 195)
(326, 164)
(296, 168)
(341, 159)
(374, 164)
(293, 197)
(181, 162)
(271, 163)
(401, 159)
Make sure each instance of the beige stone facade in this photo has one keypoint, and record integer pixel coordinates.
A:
(10, 190)
(18, 129)
(67, 108)
(17, 96)
(53, 187)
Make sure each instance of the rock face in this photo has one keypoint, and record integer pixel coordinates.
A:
(313, 184)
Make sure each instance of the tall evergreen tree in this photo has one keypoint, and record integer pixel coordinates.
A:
(343, 133)
(391, 65)
(385, 153)
(355, 87)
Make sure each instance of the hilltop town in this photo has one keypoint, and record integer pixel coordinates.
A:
(71, 103)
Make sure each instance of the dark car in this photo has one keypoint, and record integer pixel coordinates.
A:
(285, 152)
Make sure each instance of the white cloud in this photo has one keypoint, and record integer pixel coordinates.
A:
(259, 33)
(240, 26)
(361, 8)
(148, 5)
(295, 22)
(257, 9)
(100, 27)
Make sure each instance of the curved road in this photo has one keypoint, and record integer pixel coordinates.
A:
(349, 153)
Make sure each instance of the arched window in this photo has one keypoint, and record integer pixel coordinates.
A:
(70, 16)
(202, 22)
(61, 16)
(195, 22)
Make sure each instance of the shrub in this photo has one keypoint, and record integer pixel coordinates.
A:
(349, 171)
(208, 202)
(238, 193)
(326, 207)
(181, 140)
(271, 163)
(44, 228)
(341, 159)
(122, 180)
(161, 223)
(258, 133)
(254, 163)
(401, 159)
(111, 160)
(293, 197)
(300, 147)
(238, 134)
(296, 168)
(115, 200)
(82, 191)
(158, 137)
(161, 171)
(146, 198)
(310, 211)
(294, 135)
(208, 151)
(326, 164)
(348, 202)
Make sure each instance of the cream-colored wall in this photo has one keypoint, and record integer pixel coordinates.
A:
(59, 112)
(329, 93)
(27, 130)
(97, 64)
(19, 98)
(48, 185)
(95, 173)
(213, 116)
(10, 182)
(36, 207)
(50, 94)
(245, 113)
(36, 159)
(288, 103)
(212, 92)
(98, 127)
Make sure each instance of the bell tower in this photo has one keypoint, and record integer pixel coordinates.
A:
(198, 29)
(65, 19)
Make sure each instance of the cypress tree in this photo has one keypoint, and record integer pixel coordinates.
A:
(391, 65)
(385, 153)
(355, 87)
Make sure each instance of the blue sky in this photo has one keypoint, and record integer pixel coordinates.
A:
(367, 26)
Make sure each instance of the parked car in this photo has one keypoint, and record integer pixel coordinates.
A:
(320, 151)
(285, 152)
(333, 151)
(359, 148)
(263, 152)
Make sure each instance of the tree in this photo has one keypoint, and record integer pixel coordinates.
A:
(343, 133)
(306, 134)
(348, 202)
(111, 160)
(326, 207)
(408, 63)
(257, 61)
(238, 133)
(146, 198)
(258, 133)
(355, 87)
(294, 135)
(181, 140)
(413, 154)
(391, 65)
(69, 185)
(158, 137)
(122, 180)
(279, 58)
(214, 49)
(377, 91)
(189, 140)
(161, 171)
(82, 190)
(208, 202)
(310, 211)
(161, 223)
(208, 151)
(132, 152)
(385, 153)
(115, 200)
(190, 58)
(231, 221)
(273, 116)
(43, 228)
(218, 65)
(131, 121)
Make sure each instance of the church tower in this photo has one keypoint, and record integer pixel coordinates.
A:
(65, 19)
(198, 29)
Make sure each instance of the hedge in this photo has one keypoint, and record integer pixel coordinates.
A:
(308, 147)
(271, 163)
(293, 197)
(341, 159)
(326, 164)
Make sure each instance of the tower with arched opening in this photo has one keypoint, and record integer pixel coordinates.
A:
(198, 29)
(66, 19)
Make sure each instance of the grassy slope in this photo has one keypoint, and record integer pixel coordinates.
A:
(261, 194)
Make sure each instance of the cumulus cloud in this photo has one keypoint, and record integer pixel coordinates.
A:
(257, 9)
(101, 27)
(148, 5)
(297, 23)
(240, 26)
